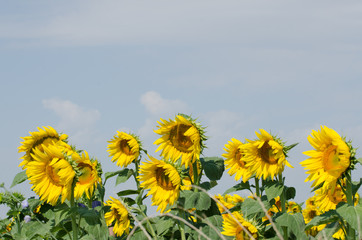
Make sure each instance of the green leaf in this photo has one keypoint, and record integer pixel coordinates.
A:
(213, 167)
(251, 207)
(290, 193)
(19, 178)
(294, 223)
(127, 192)
(215, 221)
(351, 214)
(124, 175)
(208, 185)
(273, 189)
(356, 186)
(199, 200)
(238, 187)
(108, 175)
(163, 225)
(325, 218)
(89, 215)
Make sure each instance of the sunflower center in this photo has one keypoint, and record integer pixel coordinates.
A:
(237, 157)
(86, 174)
(312, 214)
(331, 161)
(125, 148)
(266, 154)
(178, 138)
(163, 180)
(242, 235)
(53, 175)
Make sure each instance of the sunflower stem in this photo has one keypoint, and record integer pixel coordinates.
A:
(154, 236)
(72, 206)
(349, 195)
(257, 188)
(283, 201)
(196, 175)
(181, 225)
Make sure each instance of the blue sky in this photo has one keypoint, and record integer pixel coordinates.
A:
(90, 68)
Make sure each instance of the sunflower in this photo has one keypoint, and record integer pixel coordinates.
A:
(328, 198)
(88, 178)
(163, 181)
(228, 201)
(50, 174)
(233, 228)
(43, 137)
(124, 148)
(118, 215)
(329, 160)
(234, 160)
(264, 157)
(181, 138)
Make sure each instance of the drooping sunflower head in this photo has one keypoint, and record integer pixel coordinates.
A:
(163, 181)
(329, 159)
(87, 175)
(124, 148)
(50, 173)
(43, 137)
(235, 160)
(228, 201)
(310, 212)
(240, 229)
(118, 215)
(181, 138)
(265, 157)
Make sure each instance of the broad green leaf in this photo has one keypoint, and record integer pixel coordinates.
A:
(238, 187)
(213, 167)
(351, 214)
(98, 231)
(294, 223)
(273, 190)
(163, 225)
(89, 215)
(199, 200)
(19, 178)
(139, 235)
(290, 193)
(251, 207)
(35, 228)
(108, 175)
(124, 175)
(208, 185)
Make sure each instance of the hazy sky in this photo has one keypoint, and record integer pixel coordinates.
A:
(90, 68)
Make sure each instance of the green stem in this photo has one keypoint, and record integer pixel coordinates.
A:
(154, 236)
(257, 189)
(136, 173)
(17, 219)
(349, 195)
(283, 201)
(72, 205)
(181, 225)
(196, 175)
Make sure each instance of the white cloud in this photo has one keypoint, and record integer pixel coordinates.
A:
(156, 105)
(74, 120)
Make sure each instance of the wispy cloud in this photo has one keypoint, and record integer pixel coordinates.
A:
(157, 105)
(74, 120)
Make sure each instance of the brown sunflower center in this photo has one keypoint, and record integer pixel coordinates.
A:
(125, 148)
(238, 155)
(53, 175)
(86, 175)
(331, 160)
(242, 235)
(178, 138)
(266, 154)
(163, 180)
(312, 214)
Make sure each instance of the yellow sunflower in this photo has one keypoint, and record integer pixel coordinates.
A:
(228, 201)
(329, 160)
(88, 179)
(43, 137)
(234, 160)
(181, 138)
(163, 181)
(124, 148)
(233, 228)
(264, 157)
(328, 199)
(118, 215)
(50, 174)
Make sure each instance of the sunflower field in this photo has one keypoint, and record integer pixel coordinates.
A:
(69, 188)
